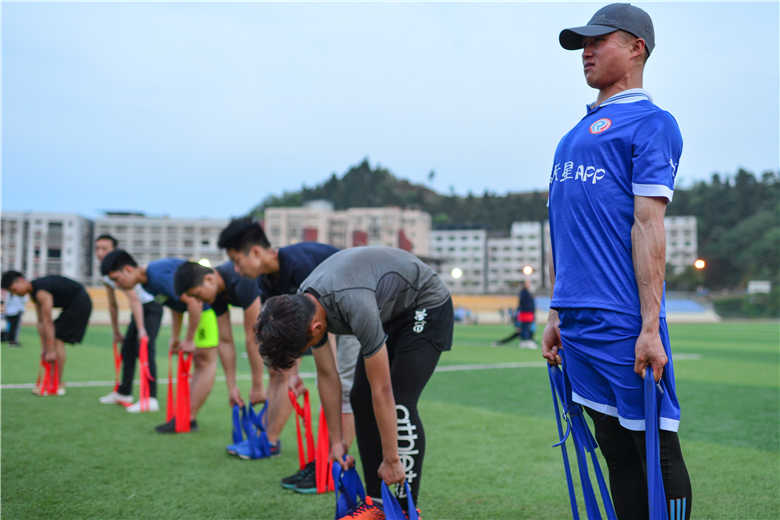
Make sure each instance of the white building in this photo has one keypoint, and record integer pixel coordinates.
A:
(681, 243)
(153, 238)
(407, 229)
(463, 249)
(41, 243)
(508, 257)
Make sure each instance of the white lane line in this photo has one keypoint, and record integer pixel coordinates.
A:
(310, 375)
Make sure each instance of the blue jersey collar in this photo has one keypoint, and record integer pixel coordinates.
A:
(627, 96)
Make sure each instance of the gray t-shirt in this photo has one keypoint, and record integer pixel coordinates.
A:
(364, 288)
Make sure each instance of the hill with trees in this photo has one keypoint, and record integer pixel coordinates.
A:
(738, 226)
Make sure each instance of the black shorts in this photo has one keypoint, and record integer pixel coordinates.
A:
(432, 324)
(71, 325)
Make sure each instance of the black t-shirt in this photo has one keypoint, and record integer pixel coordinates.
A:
(239, 291)
(63, 290)
(296, 262)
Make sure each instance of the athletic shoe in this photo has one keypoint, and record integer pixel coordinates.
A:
(308, 482)
(291, 481)
(170, 426)
(136, 408)
(116, 398)
(276, 448)
(367, 511)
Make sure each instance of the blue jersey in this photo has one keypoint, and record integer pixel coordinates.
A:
(296, 262)
(159, 283)
(625, 147)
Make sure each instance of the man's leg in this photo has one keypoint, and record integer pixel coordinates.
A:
(13, 327)
(202, 378)
(59, 347)
(279, 406)
(153, 313)
(410, 370)
(129, 357)
(507, 339)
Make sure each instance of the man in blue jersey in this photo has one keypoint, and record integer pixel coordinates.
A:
(612, 177)
(281, 271)
(157, 278)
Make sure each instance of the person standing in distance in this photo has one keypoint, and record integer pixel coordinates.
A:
(612, 177)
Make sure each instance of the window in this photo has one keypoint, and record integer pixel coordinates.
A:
(204, 243)
(54, 253)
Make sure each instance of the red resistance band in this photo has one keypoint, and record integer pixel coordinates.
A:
(117, 366)
(145, 375)
(322, 465)
(305, 414)
(50, 382)
(171, 403)
(183, 393)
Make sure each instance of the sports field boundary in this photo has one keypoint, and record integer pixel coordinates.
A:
(310, 375)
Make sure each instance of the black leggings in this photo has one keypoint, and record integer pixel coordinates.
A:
(153, 312)
(411, 365)
(624, 451)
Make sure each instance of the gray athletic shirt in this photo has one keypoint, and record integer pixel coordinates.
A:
(363, 288)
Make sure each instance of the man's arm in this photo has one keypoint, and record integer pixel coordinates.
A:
(113, 312)
(227, 354)
(551, 338)
(648, 250)
(194, 310)
(176, 319)
(43, 307)
(257, 392)
(378, 373)
(138, 312)
(329, 386)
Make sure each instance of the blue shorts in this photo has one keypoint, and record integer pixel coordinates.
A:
(598, 358)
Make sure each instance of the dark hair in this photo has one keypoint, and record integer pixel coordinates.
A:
(241, 234)
(106, 236)
(282, 329)
(189, 275)
(116, 260)
(9, 277)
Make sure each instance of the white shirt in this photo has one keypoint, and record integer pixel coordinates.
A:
(143, 296)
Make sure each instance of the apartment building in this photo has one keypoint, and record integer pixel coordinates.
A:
(508, 258)
(407, 229)
(151, 238)
(466, 251)
(42, 243)
(681, 243)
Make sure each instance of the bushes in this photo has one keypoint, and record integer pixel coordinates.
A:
(749, 306)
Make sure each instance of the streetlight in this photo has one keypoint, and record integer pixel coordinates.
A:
(699, 264)
(205, 262)
(456, 273)
(528, 270)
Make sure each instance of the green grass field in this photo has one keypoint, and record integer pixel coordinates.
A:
(489, 436)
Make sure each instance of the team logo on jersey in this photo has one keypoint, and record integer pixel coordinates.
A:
(601, 125)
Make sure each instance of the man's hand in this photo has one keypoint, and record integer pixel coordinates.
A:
(173, 345)
(391, 471)
(142, 334)
(337, 453)
(235, 397)
(118, 338)
(295, 383)
(187, 346)
(50, 356)
(551, 340)
(257, 395)
(649, 350)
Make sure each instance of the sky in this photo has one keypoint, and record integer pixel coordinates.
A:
(204, 109)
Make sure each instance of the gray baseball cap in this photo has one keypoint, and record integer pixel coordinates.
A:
(609, 19)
